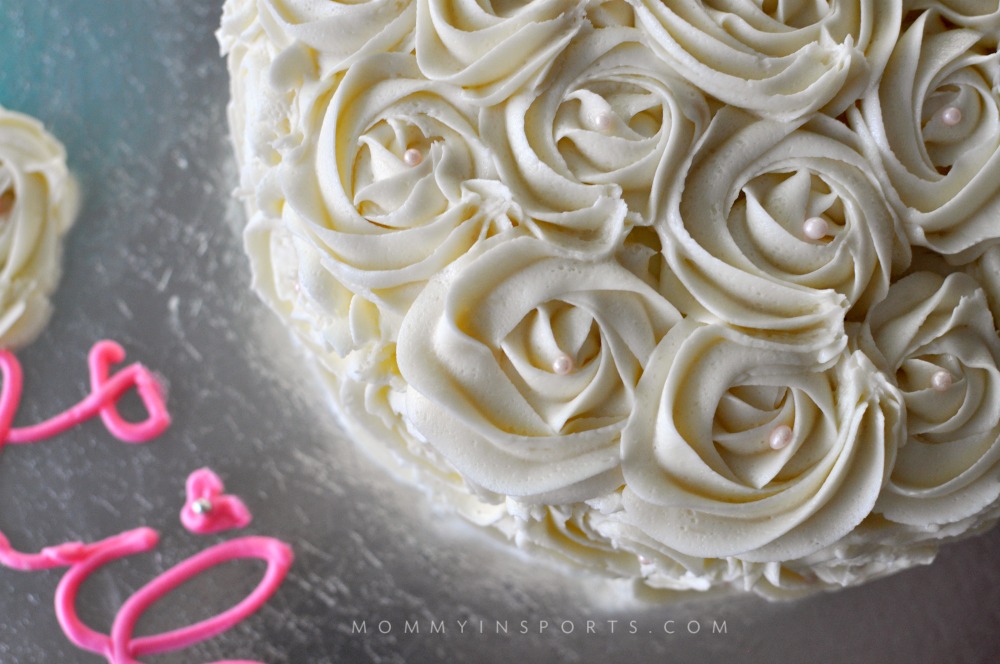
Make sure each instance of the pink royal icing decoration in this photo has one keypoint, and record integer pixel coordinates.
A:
(208, 510)
(105, 390)
(83, 559)
(120, 647)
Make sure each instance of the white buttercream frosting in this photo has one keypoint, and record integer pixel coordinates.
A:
(980, 15)
(489, 49)
(381, 222)
(478, 350)
(933, 127)
(783, 59)
(594, 147)
(949, 468)
(734, 234)
(702, 294)
(38, 202)
(700, 475)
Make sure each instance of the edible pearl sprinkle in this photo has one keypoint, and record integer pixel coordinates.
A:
(780, 437)
(563, 365)
(951, 116)
(604, 121)
(413, 157)
(941, 380)
(815, 228)
(202, 506)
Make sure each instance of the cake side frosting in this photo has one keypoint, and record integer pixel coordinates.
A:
(703, 317)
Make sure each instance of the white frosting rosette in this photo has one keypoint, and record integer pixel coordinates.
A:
(38, 202)
(599, 142)
(491, 49)
(783, 59)
(933, 127)
(395, 182)
(522, 364)
(701, 475)
(735, 234)
(936, 336)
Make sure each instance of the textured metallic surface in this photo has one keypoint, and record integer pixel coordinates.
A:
(137, 92)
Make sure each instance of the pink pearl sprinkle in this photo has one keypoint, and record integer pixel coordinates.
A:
(941, 380)
(413, 157)
(780, 437)
(815, 228)
(563, 365)
(604, 121)
(951, 116)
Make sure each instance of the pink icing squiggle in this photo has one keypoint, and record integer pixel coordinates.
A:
(119, 647)
(105, 391)
(84, 559)
(128, 543)
(209, 510)
(103, 397)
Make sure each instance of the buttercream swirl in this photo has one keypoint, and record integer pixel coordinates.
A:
(783, 59)
(734, 235)
(38, 202)
(980, 15)
(380, 221)
(480, 350)
(950, 466)
(700, 475)
(337, 32)
(933, 125)
(489, 49)
(986, 270)
(289, 273)
(600, 141)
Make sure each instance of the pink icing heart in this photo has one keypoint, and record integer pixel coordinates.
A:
(209, 510)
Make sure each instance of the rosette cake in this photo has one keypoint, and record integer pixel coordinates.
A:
(698, 293)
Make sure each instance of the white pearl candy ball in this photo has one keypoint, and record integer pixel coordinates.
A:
(941, 380)
(413, 157)
(951, 116)
(563, 365)
(604, 121)
(781, 437)
(815, 228)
